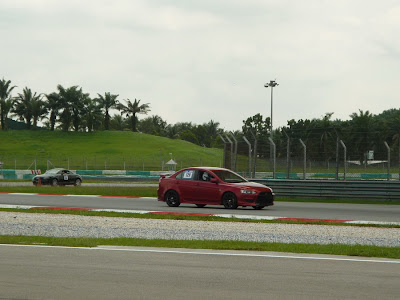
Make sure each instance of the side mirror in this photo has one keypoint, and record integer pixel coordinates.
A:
(214, 180)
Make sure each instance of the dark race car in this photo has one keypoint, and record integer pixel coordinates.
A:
(58, 177)
(213, 186)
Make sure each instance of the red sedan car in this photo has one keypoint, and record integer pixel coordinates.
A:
(213, 186)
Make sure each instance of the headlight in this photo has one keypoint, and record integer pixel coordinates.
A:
(248, 192)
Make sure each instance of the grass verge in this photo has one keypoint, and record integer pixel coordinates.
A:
(334, 249)
(84, 190)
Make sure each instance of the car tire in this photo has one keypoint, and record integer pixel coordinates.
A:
(200, 205)
(54, 182)
(258, 207)
(229, 200)
(172, 198)
(77, 182)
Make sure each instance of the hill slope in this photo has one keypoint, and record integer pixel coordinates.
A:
(99, 150)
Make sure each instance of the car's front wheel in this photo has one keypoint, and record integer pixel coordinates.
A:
(77, 182)
(172, 198)
(54, 182)
(229, 200)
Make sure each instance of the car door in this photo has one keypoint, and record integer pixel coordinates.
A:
(63, 177)
(71, 177)
(207, 191)
(186, 185)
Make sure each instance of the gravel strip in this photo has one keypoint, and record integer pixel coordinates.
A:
(56, 225)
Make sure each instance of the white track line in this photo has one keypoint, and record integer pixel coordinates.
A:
(194, 252)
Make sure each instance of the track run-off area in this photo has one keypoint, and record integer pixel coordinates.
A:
(333, 212)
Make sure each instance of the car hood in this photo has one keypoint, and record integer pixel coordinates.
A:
(250, 184)
(43, 176)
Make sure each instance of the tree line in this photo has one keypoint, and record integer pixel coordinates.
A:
(69, 108)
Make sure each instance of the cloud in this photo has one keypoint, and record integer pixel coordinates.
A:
(202, 60)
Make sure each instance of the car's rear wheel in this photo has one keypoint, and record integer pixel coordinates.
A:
(54, 182)
(77, 182)
(200, 205)
(172, 198)
(229, 200)
(258, 207)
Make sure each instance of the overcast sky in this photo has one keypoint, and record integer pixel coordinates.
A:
(194, 61)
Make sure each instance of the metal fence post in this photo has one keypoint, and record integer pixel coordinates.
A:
(248, 143)
(224, 156)
(344, 159)
(305, 158)
(231, 160)
(388, 159)
(337, 157)
(235, 155)
(255, 154)
(287, 155)
(273, 157)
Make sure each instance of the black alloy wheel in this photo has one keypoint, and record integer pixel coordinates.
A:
(172, 198)
(229, 200)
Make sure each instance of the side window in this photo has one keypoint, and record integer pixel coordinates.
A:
(204, 176)
(188, 174)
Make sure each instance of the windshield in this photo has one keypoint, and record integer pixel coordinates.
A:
(52, 171)
(229, 176)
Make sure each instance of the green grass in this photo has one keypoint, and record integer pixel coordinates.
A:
(99, 150)
(334, 249)
(84, 190)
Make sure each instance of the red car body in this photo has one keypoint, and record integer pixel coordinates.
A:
(213, 186)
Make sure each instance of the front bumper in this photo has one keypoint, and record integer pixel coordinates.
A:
(261, 199)
(43, 180)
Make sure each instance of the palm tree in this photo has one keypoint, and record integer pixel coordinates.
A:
(362, 130)
(53, 105)
(325, 130)
(133, 108)
(23, 106)
(6, 107)
(39, 111)
(106, 103)
(117, 122)
(71, 100)
(93, 114)
(5, 101)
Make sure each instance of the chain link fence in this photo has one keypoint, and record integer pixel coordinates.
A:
(301, 159)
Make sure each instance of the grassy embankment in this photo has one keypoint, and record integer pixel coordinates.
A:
(122, 150)
(113, 150)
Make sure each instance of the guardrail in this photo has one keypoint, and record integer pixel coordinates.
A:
(379, 190)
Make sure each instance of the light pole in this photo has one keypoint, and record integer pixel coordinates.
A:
(271, 84)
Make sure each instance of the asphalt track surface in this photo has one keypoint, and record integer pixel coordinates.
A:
(332, 211)
(41, 272)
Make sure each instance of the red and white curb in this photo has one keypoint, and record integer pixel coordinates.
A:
(234, 216)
